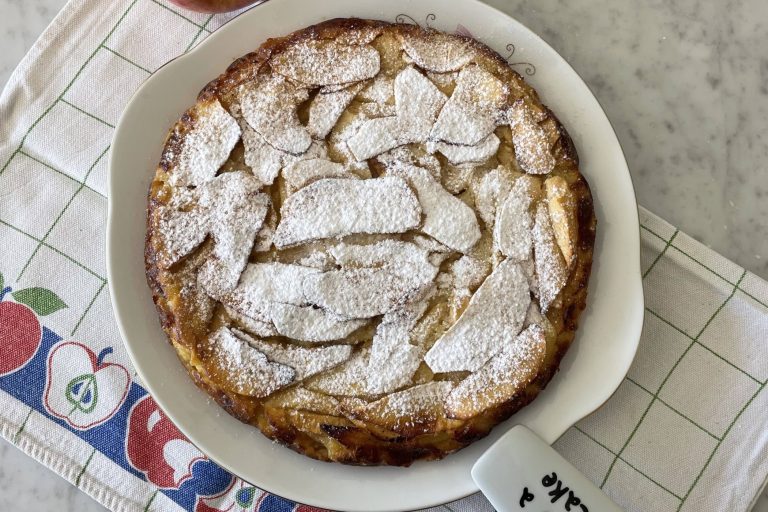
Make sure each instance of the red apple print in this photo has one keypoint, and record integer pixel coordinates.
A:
(20, 330)
(82, 388)
(157, 448)
(20, 335)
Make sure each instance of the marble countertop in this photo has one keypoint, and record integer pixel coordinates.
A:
(685, 85)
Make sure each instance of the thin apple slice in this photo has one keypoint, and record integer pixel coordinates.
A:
(373, 279)
(179, 232)
(471, 113)
(439, 52)
(394, 359)
(232, 210)
(494, 316)
(409, 412)
(502, 378)
(300, 399)
(326, 108)
(533, 149)
(359, 36)
(381, 90)
(418, 102)
(310, 324)
(468, 272)
(264, 160)
(251, 325)
(512, 230)
(457, 154)
(269, 106)
(447, 218)
(551, 268)
(407, 155)
(374, 137)
(326, 62)
(562, 214)
(305, 172)
(206, 146)
(237, 210)
(264, 284)
(489, 192)
(337, 207)
(243, 369)
(347, 379)
(271, 293)
(306, 362)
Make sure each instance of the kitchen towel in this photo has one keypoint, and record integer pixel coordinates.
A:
(686, 430)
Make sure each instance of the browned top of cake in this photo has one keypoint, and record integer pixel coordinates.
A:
(371, 241)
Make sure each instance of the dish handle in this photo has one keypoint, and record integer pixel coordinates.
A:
(521, 472)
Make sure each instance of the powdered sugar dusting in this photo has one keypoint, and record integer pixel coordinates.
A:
(490, 193)
(231, 209)
(468, 272)
(273, 293)
(345, 380)
(263, 284)
(310, 324)
(236, 211)
(304, 361)
(505, 375)
(457, 154)
(406, 410)
(373, 279)
(533, 149)
(440, 52)
(551, 269)
(317, 62)
(495, 315)
(512, 231)
(304, 172)
(247, 370)
(374, 137)
(207, 146)
(326, 108)
(337, 207)
(180, 232)
(446, 218)
(269, 106)
(394, 359)
(470, 114)
(380, 90)
(562, 213)
(417, 103)
(264, 160)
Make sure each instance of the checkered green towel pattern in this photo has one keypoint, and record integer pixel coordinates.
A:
(686, 430)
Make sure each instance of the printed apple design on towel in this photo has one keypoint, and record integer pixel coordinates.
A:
(240, 496)
(157, 448)
(20, 330)
(81, 388)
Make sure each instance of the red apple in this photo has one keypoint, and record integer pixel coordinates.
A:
(213, 6)
(20, 336)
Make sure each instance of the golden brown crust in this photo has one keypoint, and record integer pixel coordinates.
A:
(347, 439)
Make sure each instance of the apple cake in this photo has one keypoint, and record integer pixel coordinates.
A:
(369, 240)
